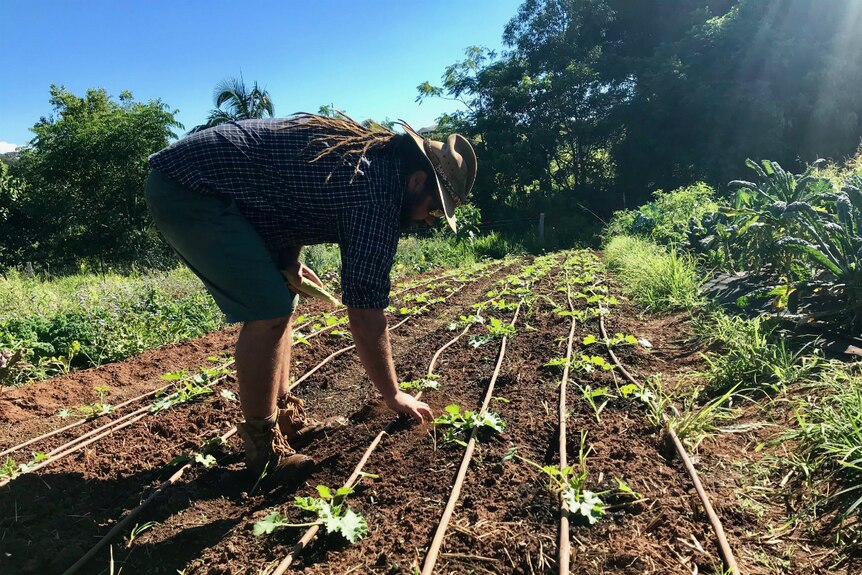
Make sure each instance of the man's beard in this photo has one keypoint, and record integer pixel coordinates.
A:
(409, 204)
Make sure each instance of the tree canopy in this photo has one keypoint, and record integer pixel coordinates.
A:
(79, 195)
(597, 103)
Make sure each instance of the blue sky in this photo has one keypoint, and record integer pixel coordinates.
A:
(364, 57)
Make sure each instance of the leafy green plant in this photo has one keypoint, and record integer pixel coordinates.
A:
(97, 408)
(8, 470)
(497, 329)
(331, 511)
(459, 423)
(189, 388)
(570, 484)
(593, 396)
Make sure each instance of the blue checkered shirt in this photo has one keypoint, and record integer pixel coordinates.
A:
(264, 168)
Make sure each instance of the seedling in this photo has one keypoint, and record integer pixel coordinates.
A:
(589, 363)
(497, 328)
(465, 320)
(331, 511)
(430, 381)
(138, 529)
(228, 395)
(590, 395)
(97, 408)
(570, 482)
(8, 470)
(617, 340)
(460, 423)
(190, 389)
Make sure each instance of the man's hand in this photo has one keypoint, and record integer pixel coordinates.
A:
(406, 404)
(300, 271)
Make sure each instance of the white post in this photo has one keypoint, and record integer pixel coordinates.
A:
(542, 228)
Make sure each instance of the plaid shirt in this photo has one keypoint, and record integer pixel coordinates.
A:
(264, 168)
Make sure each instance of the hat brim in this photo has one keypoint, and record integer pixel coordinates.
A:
(445, 199)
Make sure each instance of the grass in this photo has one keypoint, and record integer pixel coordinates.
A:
(86, 319)
(657, 279)
(751, 354)
(49, 326)
(827, 441)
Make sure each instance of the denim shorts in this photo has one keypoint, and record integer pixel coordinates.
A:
(222, 249)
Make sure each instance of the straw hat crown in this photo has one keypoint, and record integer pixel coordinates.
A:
(454, 165)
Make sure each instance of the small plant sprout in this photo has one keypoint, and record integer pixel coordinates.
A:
(97, 408)
(465, 320)
(331, 510)
(8, 470)
(430, 381)
(497, 329)
(590, 363)
(138, 529)
(570, 483)
(460, 423)
(64, 413)
(228, 395)
(188, 389)
(593, 396)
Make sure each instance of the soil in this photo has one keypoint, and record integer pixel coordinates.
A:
(506, 520)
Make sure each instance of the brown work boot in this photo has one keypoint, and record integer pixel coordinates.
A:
(267, 450)
(298, 429)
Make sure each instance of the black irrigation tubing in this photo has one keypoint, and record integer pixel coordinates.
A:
(135, 512)
(312, 531)
(440, 533)
(173, 479)
(715, 521)
(564, 551)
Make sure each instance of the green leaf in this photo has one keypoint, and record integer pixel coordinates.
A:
(324, 492)
(270, 523)
(352, 526)
(205, 460)
(453, 409)
(590, 339)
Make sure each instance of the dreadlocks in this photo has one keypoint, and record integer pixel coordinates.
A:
(344, 135)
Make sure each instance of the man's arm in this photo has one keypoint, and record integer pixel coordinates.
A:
(372, 342)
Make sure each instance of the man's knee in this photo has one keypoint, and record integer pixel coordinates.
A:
(272, 324)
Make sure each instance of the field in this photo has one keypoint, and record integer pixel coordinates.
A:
(554, 422)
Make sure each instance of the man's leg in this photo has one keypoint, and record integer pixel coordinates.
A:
(263, 365)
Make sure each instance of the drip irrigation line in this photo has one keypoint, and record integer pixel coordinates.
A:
(564, 548)
(99, 432)
(434, 550)
(312, 531)
(85, 420)
(134, 513)
(405, 288)
(67, 448)
(715, 521)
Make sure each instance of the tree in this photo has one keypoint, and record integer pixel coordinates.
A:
(239, 103)
(84, 172)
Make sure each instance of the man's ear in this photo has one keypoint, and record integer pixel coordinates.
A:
(416, 181)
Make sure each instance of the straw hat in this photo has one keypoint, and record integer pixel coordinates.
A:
(454, 167)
